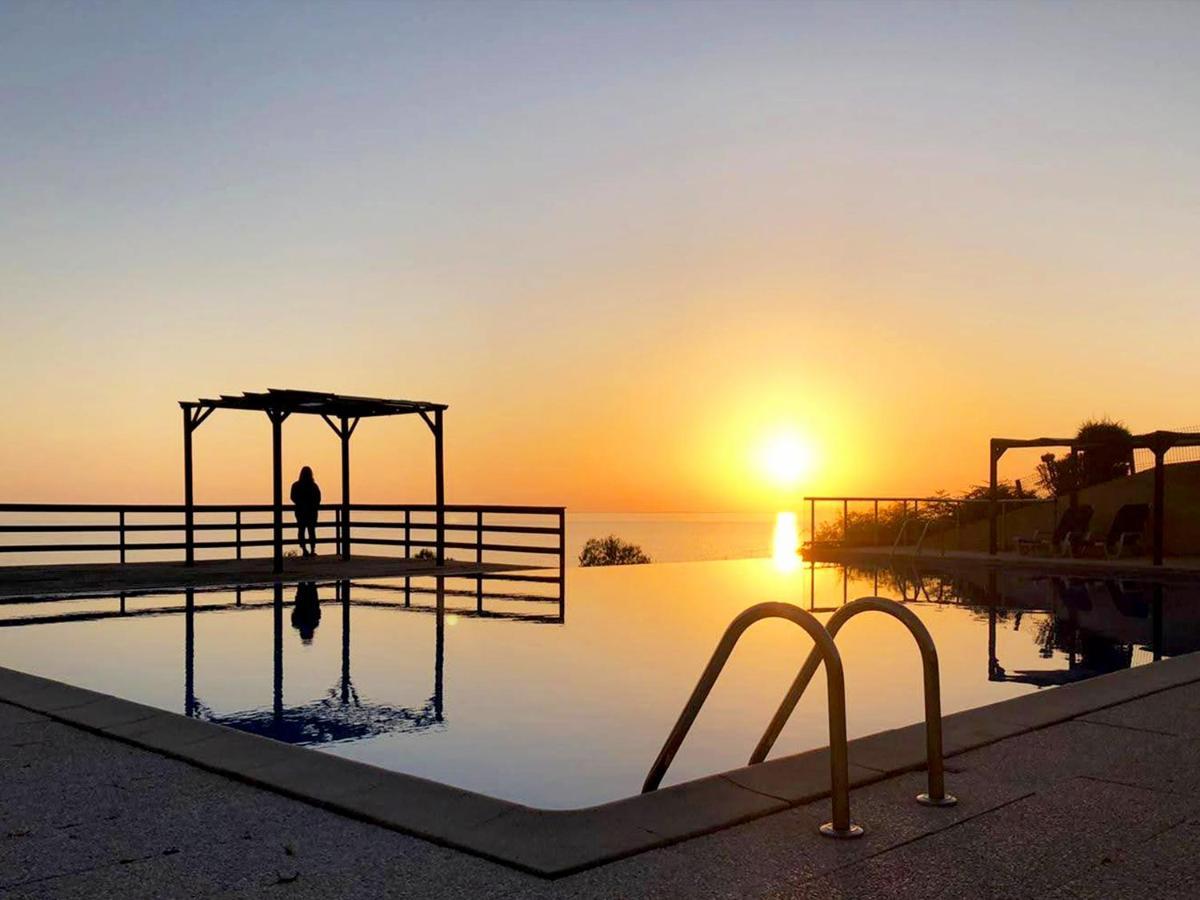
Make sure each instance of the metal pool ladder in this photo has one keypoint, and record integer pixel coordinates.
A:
(936, 795)
(825, 650)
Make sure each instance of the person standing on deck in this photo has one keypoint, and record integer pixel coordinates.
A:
(306, 498)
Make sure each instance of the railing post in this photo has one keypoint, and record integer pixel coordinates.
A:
(121, 529)
(407, 529)
(479, 560)
(876, 537)
(562, 549)
(237, 532)
(845, 522)
(812, 521)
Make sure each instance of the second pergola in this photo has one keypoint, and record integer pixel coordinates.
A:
(341, 413)
(1157, 442)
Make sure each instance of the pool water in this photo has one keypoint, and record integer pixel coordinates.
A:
(564, 702)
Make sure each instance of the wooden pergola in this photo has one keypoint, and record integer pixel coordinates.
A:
(1157, 442)
(341, 413)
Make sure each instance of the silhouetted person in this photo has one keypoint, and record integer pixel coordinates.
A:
(306, 497)
(306, 613)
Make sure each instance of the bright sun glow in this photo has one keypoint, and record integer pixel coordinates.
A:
(786, 459)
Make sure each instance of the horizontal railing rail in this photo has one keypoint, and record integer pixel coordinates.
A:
(481, 530)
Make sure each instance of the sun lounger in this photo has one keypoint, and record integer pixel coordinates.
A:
(1071, 529)
(1125, 533)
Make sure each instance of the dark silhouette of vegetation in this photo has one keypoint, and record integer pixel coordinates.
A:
(611, 551)
(424, 553)
(1112, 458)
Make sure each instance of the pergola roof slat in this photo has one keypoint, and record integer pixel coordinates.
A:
(316, 403)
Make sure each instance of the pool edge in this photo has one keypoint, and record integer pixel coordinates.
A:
(554, 843)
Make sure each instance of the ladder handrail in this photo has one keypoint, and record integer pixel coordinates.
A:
(936, 795)
(825, 650)
(904, 527)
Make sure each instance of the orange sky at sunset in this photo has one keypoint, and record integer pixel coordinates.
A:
(629, 246)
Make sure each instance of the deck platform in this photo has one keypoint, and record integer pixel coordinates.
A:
(108, 578)
(1187, 567)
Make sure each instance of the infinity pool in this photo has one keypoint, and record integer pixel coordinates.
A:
(564, 702)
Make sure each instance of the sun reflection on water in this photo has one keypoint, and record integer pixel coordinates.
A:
(785, 542)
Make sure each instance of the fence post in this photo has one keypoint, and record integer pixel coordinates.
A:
(121, 529)
(812, 521)
(845, 522)
(876, 538)
(562, 550)
(407, 525)
(237, 531)
(479, 559)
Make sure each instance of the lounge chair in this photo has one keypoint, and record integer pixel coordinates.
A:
(1126, 532)
(1072, 528)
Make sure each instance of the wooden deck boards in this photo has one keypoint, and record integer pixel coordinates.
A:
(96, 578)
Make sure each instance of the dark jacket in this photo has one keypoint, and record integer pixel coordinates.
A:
(306, 496)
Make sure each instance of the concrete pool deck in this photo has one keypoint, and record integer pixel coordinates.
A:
(18, 582)
(1087, 790)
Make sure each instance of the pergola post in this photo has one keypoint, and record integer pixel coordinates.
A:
(994, 452)
(344, 434)
(189, 512)
(1075, 478)
(439, 485)
(277, 469)
(1158, 512)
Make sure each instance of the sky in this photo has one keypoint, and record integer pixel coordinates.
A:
(636, 247)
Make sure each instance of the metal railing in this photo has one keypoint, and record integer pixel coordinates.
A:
(936, 795)
(943, 516)
(487, 529)
(840, 826)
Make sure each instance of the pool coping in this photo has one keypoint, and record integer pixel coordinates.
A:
(554, 843)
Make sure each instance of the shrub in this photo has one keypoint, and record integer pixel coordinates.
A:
(424, 553)
(611, 551)
(1112, 458)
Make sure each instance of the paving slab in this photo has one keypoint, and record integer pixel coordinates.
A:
(1175, 711)
(1025, 849)
(1051, 755)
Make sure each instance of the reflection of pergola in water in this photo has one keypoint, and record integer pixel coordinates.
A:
(1072, 593)
(341, 715)
(342, 414)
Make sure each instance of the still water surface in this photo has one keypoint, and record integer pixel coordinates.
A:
(565, 703)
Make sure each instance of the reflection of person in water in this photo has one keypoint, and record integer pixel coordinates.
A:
(306, 612)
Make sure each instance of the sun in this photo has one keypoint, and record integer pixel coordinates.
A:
(785, 459)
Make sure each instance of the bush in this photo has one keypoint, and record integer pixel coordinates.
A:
(1112, 458)
(611, 551)
(424, 553)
